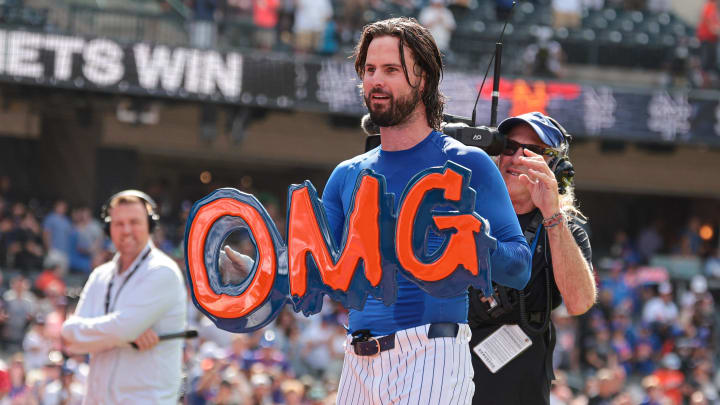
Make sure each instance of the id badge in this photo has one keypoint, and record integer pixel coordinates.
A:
(502, 346)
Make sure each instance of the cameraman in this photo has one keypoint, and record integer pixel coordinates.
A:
(561, 268)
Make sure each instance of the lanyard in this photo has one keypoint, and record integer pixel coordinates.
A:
(107, 296)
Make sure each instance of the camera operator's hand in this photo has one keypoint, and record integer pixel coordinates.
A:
(541, 183)
(234, 266)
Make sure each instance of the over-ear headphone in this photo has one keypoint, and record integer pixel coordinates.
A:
(153, 216)
(560, 164)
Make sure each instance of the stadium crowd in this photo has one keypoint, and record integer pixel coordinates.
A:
(327, 27)
(650, 339)
(544, 37)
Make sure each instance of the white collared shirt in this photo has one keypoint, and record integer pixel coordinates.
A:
(154, 296)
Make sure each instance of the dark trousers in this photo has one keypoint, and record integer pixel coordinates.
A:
(524, 380)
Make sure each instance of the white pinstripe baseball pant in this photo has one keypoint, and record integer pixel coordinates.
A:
(418, 371)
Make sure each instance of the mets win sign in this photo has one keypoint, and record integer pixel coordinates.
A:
(378, 244)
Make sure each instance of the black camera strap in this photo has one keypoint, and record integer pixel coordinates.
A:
(532, 232)
(532, 235)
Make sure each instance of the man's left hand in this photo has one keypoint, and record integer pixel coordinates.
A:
(147, 340)
(541, 183)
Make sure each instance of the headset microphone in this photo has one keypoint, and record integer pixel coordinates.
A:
(465, 130)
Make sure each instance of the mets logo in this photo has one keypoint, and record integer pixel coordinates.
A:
(527, 97)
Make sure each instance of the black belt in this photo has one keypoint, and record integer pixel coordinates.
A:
(366, 345)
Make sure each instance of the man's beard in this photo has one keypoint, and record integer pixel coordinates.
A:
(396, 112)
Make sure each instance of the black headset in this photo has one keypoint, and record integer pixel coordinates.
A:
(560, 164)
(153, 216)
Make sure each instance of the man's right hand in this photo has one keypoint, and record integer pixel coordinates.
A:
(147, 340)
(234, 266)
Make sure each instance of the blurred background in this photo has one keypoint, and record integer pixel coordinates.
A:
(180, 97)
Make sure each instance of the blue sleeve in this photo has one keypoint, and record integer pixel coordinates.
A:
(332, 201)
(511, 261)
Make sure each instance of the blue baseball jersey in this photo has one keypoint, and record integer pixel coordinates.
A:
(510, 262)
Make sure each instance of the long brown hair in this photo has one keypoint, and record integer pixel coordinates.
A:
(425, 52)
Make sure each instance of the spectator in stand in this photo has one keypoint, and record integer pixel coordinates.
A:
(6, 229)
(20, 307)
(623, 350)
(261, 384)
(698, 398)
(670, 378)
(649, 240)
(57, 232)
(712, 265)
(658, 6)
(698, 293)
(316, 341)
(566, 13)
(544, 57)
(86, 239)
(55, 317)
(36, 346)
(605, 386)
(560, 392)
(265, 17)
(268, 355)
(621, 247)
(691, 242)
(681, 67)
(50, 278)
(653, 392)
(311, 18)
(329, 43)
(353, 19)
(565, 355)
(50, 373)
(92, 230)
(700, 380)
(6, 191)
(226, 394)
(28, 242)
(203, 31)
(20, 392)
(599, 350)
(707, 32)
(286, 21)
(293, 391)
(64, 391)
(440, 21)
(660, 312)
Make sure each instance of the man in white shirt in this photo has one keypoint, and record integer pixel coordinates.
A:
(135, 297)
(440, 21)
(661, 310)
(311, 17)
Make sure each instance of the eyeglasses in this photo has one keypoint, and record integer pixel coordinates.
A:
(511, 147)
